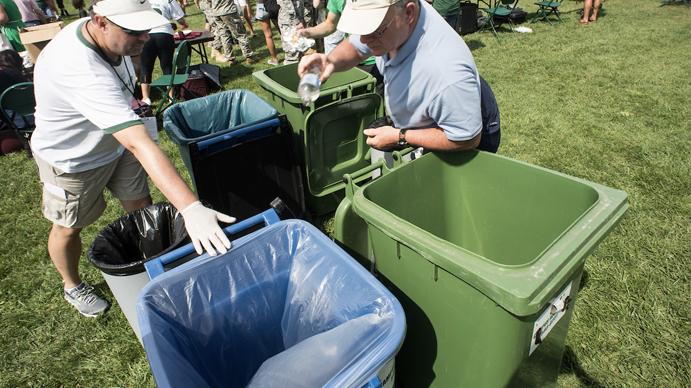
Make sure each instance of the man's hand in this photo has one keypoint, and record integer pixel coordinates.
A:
(320, 60)
(304, 32)
(382, 138)
(202, 226)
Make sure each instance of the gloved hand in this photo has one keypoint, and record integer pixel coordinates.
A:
(202, 226)
(260, 12)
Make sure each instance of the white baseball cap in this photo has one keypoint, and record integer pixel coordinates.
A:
(136, 15)
(362, 17)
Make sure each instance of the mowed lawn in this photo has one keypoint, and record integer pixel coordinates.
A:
(609, 102)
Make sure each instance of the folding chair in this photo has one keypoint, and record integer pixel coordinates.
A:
(547, 8)
(168, 82)
(18, 105)
(498, 13)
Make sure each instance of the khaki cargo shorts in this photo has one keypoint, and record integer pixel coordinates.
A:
(75, 200)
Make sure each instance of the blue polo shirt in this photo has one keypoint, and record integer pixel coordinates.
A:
(432, 81)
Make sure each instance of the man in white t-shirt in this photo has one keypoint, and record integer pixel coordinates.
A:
(87, 138)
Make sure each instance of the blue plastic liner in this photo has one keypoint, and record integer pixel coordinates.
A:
(286, 307)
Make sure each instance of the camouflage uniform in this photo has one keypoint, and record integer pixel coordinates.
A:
(290, 15)
(205, 7)
(310, 14)
(225, 14)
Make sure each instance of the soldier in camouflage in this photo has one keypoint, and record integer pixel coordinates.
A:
(291, 17)
(216, 47)
(229, 24)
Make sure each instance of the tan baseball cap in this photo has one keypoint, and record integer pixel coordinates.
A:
(362, 17)
(134, 15)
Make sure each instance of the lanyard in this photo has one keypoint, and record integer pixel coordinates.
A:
(105, 57)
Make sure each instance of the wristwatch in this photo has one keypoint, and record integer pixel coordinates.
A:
(401, 137)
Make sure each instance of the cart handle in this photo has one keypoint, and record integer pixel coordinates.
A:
(352, 180)
(154, 267)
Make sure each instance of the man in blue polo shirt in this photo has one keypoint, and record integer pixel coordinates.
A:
(432, 87)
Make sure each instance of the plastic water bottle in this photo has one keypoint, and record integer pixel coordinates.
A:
(308, 89)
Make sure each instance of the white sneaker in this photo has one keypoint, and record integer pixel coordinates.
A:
(146, 101)
(85, 300)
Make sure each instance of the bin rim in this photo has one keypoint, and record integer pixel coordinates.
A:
(291, 96)
(386, 349)
(547, 272)
(184, 140)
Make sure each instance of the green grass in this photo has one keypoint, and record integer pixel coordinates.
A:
(609, 102)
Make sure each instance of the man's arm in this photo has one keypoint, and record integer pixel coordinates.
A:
(157, 165)
(201, 222)
(327, 27)
(432, 139)
(345, 56)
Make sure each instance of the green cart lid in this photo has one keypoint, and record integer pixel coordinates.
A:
(335, 143)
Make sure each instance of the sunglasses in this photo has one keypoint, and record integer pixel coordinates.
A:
(379, 32)
(130, 32)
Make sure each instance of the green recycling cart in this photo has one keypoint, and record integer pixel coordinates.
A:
(486, 255)
(327, 134)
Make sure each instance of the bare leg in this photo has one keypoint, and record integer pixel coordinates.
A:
(65, 248)
(248, 18)
(132, 205)
(587, 6)
(145, 91)
(268, 36)
(596, 10)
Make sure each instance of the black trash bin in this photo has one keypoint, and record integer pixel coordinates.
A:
(239, 153)
(120, 250)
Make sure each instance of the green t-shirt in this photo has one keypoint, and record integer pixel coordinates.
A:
(335, 6)
(446, 7)
(11, 28)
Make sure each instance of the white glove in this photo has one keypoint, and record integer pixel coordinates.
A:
(202, 226)
(260, 12)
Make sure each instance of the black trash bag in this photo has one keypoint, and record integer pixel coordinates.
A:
(123, 247)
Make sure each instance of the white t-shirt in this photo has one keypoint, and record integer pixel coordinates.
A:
(171, 10)
(81, 100)
(240, 4)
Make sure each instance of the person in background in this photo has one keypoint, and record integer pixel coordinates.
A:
(448, 9)
(291, 16)
(230, 25)
(246, 13)
(590, 10)
(79, 6)
(327, 28)
(61, 7)
(48, 7)
(212, 26)
(10, 23)
(434, 107)
(161, 45)
(32, 15)
(88, 138)
(266, 13)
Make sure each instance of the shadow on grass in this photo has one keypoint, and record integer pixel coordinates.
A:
(570, 364)
(585, 278)
(474, 44)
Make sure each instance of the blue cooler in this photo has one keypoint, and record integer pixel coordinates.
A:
(285, 307)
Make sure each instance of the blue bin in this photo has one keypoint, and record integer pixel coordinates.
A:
(285, 307)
